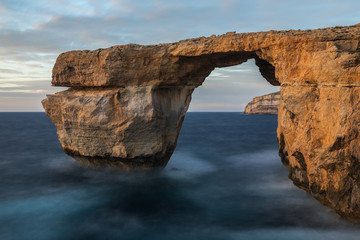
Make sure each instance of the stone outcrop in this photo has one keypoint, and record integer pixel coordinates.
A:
(126, 103)
(266, 104)
(131, 126)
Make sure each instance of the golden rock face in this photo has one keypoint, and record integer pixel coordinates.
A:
(126, 103)
(319, 142)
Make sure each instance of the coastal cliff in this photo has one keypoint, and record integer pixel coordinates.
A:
(126, 104)
(266, 104)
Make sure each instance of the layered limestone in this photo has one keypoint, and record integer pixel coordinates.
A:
(266, 104)
(128, 127)
(126, 103)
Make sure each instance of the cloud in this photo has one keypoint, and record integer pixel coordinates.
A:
(72, 25)
(10, 85)
(41, 86)
(24, 96)
(25, 91)
(5, 70)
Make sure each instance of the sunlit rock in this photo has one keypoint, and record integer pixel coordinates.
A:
(266, 104)
(130, 125)
(126, 103)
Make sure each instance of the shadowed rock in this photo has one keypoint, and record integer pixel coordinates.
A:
(128, 102)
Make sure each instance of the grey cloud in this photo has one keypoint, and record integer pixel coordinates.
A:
(150, 22)
(31, 85)
(6, 70)
(24, 96)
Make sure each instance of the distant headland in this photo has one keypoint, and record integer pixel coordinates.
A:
(265, 104)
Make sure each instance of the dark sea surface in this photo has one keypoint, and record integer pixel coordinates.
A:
(224, 181)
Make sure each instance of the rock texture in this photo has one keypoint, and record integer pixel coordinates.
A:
(126, 103)
(266, 104)
(131, 126)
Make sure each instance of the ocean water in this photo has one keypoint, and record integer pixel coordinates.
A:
(224, 181)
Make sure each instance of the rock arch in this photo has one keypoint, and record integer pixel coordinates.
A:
(126, 103)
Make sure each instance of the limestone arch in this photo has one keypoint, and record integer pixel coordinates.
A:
(133, 98)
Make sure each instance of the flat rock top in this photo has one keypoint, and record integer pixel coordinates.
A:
(296, 53)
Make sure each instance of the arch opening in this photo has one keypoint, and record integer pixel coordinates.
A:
(197, 68)
(230, 86)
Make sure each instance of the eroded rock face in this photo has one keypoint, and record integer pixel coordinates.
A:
(319, 142)
(266, 104)
(131, 126)
(127, 103)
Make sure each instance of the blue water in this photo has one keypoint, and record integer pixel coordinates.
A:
(224, 181)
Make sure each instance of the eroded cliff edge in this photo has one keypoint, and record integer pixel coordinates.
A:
(265, 104)
(126, 103)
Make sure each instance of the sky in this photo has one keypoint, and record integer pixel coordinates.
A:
(34, 33)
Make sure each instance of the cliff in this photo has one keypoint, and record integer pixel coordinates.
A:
(126, 104)
(266, 104)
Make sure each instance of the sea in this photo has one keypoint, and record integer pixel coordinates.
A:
(225, 180)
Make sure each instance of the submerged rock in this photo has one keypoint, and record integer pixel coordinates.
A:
(127, 103)
(266, 104)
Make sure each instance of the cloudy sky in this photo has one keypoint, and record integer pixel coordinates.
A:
(33, 33)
